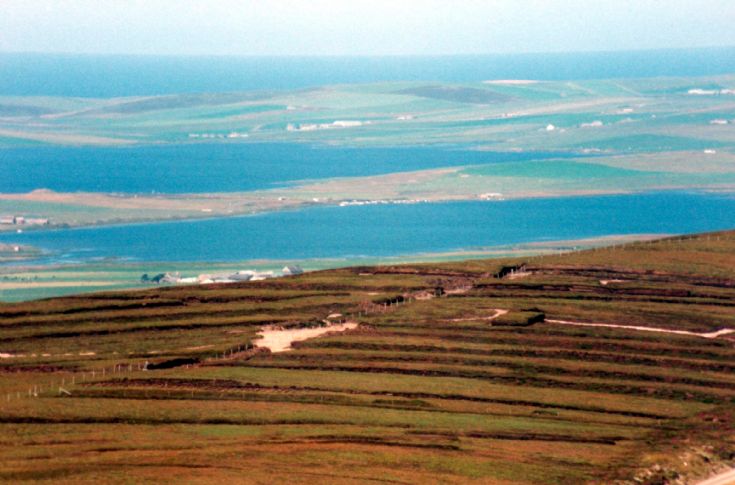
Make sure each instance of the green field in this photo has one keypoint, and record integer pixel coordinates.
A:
(424, 390)
(616, 136)
(657, 114)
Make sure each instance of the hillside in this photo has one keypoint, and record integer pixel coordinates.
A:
(450, 375)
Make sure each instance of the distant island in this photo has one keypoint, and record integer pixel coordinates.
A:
(362, 144)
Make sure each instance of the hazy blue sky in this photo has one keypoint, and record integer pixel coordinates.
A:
(360, 27)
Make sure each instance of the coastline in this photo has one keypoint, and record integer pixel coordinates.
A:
(29, 281)
(170, 208)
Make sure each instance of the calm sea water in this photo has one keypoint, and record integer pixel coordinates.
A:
(390, 229)
(107, 76)
(212, 167)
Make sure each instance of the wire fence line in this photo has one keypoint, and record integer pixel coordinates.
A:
(71, 379)
(67, 380)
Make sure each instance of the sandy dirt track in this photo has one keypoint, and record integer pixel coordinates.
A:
(278, 340)
(726, 478)
(715, 334)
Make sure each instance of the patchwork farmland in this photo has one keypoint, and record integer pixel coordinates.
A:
(600, 366)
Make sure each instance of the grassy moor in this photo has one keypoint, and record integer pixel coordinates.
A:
(612, 365)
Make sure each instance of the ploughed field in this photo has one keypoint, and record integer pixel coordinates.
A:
(452, 375)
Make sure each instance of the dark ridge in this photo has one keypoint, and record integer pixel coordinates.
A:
(457, 94)
(664, 393)
(221, 384)
(524, 367)
(573, 344)
(183, 101)
(571, 355)
(170, 364)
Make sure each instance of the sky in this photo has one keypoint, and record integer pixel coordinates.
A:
(361, 27)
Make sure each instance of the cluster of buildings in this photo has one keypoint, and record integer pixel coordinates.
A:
(709, 92)
(23, 221)
(592, 124)
(206, 279)
(492, 196)
(346, 203)
(324, 126)
(233, 134)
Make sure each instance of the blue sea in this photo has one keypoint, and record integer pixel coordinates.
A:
(225, 167)
(388, 230)
(109, 76)
(327, 232)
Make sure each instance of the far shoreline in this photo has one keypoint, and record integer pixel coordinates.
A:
(295, 205)
(29, 281)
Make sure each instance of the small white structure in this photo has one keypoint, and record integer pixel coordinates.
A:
(719, 122)
(221, 278)
(550, 127)
(709, 92)
(325, 126)
(347, 123)
(710, 151)
(171, 278)
(37, 221)
(701, 92)
(262, 276)
(593, 124)
(242, 276)
(292, 270)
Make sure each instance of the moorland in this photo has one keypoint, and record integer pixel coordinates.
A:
(608, 365)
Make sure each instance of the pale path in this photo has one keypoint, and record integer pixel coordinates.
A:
(715, 334)
(280, 340)
(725, 478)
(498, 312)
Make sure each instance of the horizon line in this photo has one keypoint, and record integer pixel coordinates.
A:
(365, 56)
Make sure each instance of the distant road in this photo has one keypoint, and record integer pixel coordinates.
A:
(726, 478)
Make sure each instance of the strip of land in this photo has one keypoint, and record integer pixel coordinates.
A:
(494, 182)
(32, 280)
